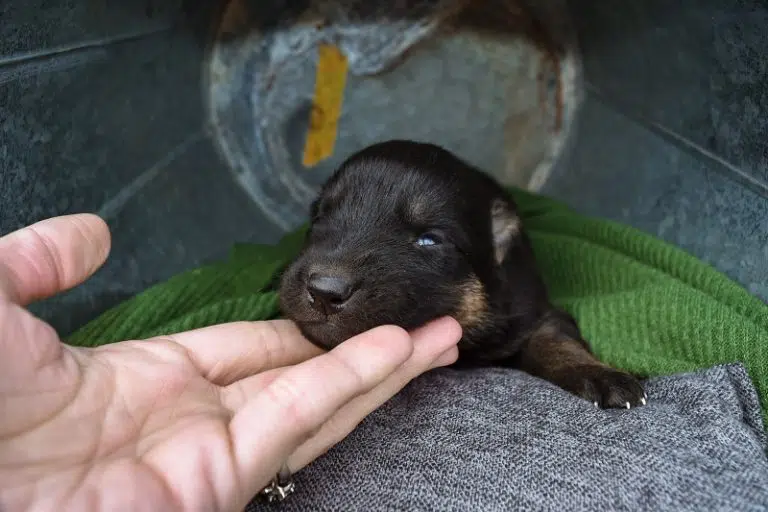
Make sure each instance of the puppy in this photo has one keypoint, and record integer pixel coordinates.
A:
(406, 232)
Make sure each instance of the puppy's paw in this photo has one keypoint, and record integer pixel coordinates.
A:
(604, 387)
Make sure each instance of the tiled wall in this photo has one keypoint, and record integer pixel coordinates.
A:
(673, 136)
(101, 110)
(698, 69)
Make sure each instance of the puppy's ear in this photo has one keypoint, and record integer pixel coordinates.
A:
(505, 227)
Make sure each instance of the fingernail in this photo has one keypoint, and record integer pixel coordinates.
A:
(446, 358)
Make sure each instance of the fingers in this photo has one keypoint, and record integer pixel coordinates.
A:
(303, 397)
(230, 352)
(434, 345)
(51, 256)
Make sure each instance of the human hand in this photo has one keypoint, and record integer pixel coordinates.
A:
(200, 420)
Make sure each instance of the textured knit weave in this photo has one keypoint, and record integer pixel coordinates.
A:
(500, 440)
(644, 305)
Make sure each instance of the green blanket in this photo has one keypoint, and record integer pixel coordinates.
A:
(644, 305)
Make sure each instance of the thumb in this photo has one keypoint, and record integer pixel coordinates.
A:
(51, 256)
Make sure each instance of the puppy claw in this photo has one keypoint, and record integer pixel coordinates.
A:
(644, 400)
(603, 387)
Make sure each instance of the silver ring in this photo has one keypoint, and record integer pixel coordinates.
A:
(281, 486)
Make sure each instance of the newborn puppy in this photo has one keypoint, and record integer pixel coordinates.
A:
(406, 232)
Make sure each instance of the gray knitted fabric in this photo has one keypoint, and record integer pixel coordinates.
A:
(501, 440)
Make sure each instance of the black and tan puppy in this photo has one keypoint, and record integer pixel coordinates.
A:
(406, 232)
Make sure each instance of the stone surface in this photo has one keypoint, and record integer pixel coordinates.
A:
(699, 69)
(41, 26)
(622, 171)
(72, 138)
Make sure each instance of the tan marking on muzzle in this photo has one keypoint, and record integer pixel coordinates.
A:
(473, 307)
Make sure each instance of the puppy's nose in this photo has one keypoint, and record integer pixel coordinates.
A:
(328, 293)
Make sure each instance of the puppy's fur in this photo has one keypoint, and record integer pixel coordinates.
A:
(407, 232)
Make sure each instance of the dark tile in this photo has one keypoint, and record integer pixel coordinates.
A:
(34, 26)
(71, 139)
(190, 214)
(621, 171)
(699, 69)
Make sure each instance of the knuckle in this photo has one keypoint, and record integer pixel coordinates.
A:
(32, 259)
(266, 343)
(352, 374)
(42, 251)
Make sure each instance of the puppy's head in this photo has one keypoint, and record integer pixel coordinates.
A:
(402, 233)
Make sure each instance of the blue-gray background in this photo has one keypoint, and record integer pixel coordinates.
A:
(101, 109)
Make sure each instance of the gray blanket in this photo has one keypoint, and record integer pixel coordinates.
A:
(500, 440)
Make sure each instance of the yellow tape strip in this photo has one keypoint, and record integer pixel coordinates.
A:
(330, 80)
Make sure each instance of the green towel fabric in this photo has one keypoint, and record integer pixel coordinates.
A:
(643, 304)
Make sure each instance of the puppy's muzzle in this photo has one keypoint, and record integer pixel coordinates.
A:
(328, 293)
